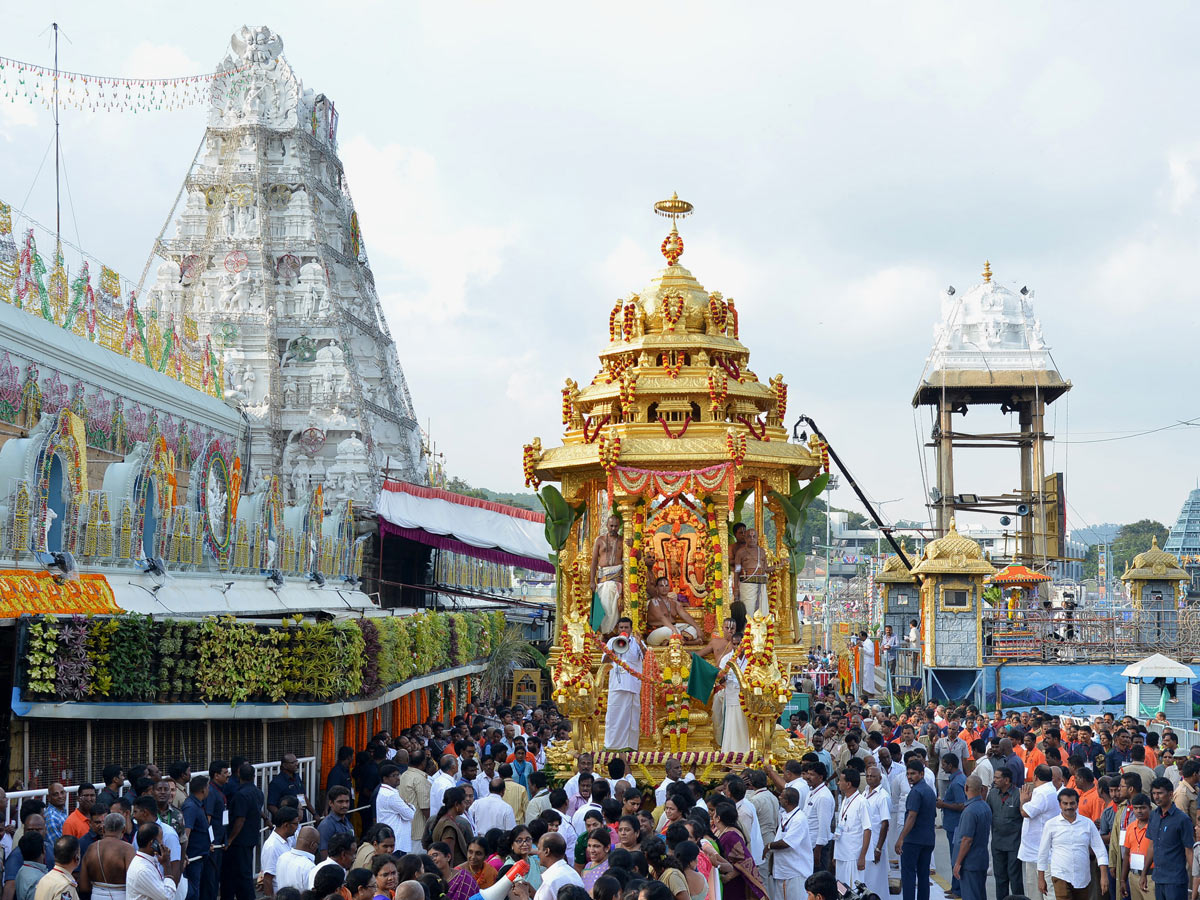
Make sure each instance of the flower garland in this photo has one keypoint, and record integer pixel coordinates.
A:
(781, 394)
(568, 405)
(716, 569)
(763, 658)
(729, 366)
(718, 388)
(757, 429)
(610, 453)
(615, 367)
(718, 312)
(629, 320)
(614, 330)
(588, 434)
(633, 605)
(676, 701)
(673, 363)
(529, 464)
(651, 683)
(672, 309)
(735, 443)
(733, 318)
(672, 247)
(581, 663)
(682, 431)
(650, 482)
(628, 391)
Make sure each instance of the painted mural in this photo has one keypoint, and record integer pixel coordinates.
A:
(1068, 690)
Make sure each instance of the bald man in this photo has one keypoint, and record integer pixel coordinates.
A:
(294, 866)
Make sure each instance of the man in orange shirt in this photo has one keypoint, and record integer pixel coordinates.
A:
(1033, 756)
(1135, 850)
(1090, 804)
(77, 824)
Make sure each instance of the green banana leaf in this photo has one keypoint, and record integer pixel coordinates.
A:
(795, 510)
(560, 516)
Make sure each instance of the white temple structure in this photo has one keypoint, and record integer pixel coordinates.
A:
(267, 256)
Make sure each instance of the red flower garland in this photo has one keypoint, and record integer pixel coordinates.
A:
(630, 318)
(736, 445)
(682, 431)
(588, 435)
(529, 464)
(672, 362)
(730, 366)
(672, 312)
(760, 433)
(718, 389)
(613, 330)
(718, 311)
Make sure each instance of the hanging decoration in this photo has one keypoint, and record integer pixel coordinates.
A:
(735, 443)
(673, 363)
(588, 434)
(628, 392)
(630, 320)
(610, 451)
(28, 83)
(288, 266)
(653, 482)
(718, 312)
(756, 427)
(633, 604)
(718, 389)
(677, 434)
(614, 326)
(529, 461)
(779, 389)
(672, 310)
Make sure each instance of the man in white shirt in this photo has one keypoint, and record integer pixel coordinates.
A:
(765, 803)
(791, 851)
(341, 854)
(674, 772)
(623, 715)
(1039, 804)
(983, 765)
(278, 842)
(293, 867)
(584, 762)
(1068, 840)
(390, 808)
(144, 879)
(818, 812)
(491, 810)
(879, 809)
(487, 771)
(441, 782)
(747, 817)
(852, 838)
(556, 871)
(538, 785)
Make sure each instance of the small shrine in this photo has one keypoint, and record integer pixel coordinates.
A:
(1156, 582)
(672, 444)
(1159, 684)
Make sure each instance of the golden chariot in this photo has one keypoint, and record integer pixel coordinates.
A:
(677, 437)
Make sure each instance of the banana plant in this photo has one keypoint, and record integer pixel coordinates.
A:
(739, 504)
(795, 509)
(560, 516)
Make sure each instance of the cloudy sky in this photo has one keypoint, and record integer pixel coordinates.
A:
(846, 165)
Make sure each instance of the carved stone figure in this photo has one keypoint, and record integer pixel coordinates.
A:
(290, 391)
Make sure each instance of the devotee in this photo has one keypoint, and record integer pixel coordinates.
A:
(914, 846)
(145, 879)
(1064, 851)
(606, 576)
(791, 848)
(622, 720)
(970, 853)
(852, 834)
(878, 799)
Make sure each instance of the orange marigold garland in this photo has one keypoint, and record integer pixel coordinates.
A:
(651, 681)
(610, 453)
(568, 404)
(735, 443)
(718, 388)
(628, 392)
(673, 363)
(781, 393)
(633, 581)
(718, 312)
(529, 464)
(614, 329)
(672, 310)
(716, 569)
(630, 319)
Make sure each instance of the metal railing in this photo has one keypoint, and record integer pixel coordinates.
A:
(1058, 636)
(263, 773)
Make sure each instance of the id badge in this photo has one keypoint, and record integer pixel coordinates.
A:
(225, 818)
(1137, 861)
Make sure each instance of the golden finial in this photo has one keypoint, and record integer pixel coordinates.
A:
(987, 271)
(673, 209)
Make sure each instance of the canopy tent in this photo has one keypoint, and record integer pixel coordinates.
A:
(1159, 666)
(1018, 576)
(480, 528)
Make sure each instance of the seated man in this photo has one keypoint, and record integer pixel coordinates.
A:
(665, 615)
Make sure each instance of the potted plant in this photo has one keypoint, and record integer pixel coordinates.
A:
(40, 649)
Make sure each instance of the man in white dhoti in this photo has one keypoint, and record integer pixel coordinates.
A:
(791, 853)
(750, 571)
(623, 718)
(735, 733)
(852, 834)
(866, 652)
(606, 573)
(665, 615)
(879, 809)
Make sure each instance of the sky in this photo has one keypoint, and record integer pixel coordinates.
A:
(847, 163)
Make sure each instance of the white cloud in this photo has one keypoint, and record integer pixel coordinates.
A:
(1182, 176)
(423, 230)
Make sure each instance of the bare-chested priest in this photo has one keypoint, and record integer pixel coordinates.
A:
(606, 573)
(750, 571)
(665, 615)
(103, 868)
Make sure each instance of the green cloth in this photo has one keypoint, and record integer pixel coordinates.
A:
(597, 617)
(702, 679)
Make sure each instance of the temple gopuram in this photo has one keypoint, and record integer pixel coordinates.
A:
(671, 444)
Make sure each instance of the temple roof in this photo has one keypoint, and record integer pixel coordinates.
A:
(1155, 564)
(953, 554)
(989, 340)
(894, 571)
(675, 387)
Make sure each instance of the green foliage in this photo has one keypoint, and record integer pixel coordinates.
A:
(795, 509)
(132, 658)
(739, 503)
(1131, 540)
(40, 648)
(560, 516)
(510, 651)
(101, 632)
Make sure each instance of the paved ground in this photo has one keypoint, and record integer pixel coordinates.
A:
(940, 882)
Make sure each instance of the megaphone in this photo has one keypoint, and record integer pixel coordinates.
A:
(499, 890)
(1023, 509)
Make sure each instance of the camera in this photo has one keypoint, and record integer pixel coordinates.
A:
(858, 892)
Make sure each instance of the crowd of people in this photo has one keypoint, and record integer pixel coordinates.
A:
(444, 811)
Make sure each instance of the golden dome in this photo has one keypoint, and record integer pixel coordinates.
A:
(675, 386)
(953, 554)
(1155, 565)
(894, 571)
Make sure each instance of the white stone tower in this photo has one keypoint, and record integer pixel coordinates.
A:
(267, 258)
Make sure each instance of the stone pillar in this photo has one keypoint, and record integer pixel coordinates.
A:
(945, 467)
